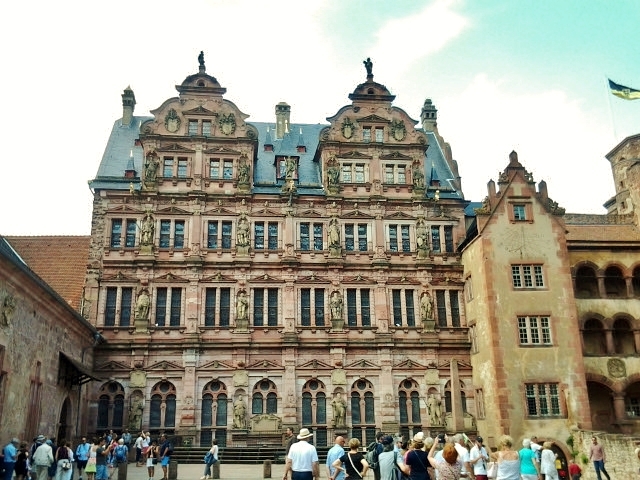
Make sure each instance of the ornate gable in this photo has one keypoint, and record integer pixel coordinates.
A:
(175, 148)
(355, 154)
(396, 156)
(113, 366)
(314, 365)
(222, 151)
(220, 211)
(373, 119)
(266, 212)
(410, 364)
(313, 279)
(311, 214)
(219, 277)
(399, 215)
(172, 209)
(199, 110)
(125, 209)
(360, 364)
(120, 277)
(171, 278)
(359, 279)
(265, 365)
(357, 214)
(165, 366)
(403, 281)
(215, 365)
(266, 278)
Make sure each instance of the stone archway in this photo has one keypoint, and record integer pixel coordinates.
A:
(601, 406)
(64, 425)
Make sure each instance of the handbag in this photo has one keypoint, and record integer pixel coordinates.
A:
(66, 465)
(492, 469)
(353, 466)
(208, 457)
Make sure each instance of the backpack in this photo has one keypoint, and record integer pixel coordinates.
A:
(372, 455)
(170, 448)
(121, 453)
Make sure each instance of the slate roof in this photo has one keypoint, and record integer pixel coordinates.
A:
(61, 261)
(610, 234)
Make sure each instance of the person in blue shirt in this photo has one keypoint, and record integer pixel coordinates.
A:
(333, 454)
(10, 456)
(82, 456)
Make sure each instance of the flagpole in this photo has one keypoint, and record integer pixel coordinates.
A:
(613, 122)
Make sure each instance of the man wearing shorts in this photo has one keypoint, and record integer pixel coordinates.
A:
(165, 455)
(101, 460)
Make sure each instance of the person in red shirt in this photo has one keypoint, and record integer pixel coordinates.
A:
(574, 470)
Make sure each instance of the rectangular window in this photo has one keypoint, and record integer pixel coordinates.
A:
(393, 238)
(167, 168)
(542, 400)
(214, 168)
(406, 243)
(130, 240)
(178, 234)
(353, 173)
(226, 234)
(356, 234)
(258, 236)
(366, 134)
(441, 307)
(305, 307)
(473, 339)
(165, 233)
(182, 168)
(359, 173)
(455, 308)
(519, 213)
(395, 174)
(176, 306)
(125, 306)
(468, 289)
(206, 128)
(312, 307)
(403, 307)
(358, 305)
(388, 174)
(227, 169)
(534, 331)
(272, 240)
(217, 300)
(161, 306)
(527, 276)
(305, 236)
(168, 304)
(110, 307)
(116, 232)
(448, 238)
(349, 237)
(362, 237)
(435, 238)
(193, 127)
(270, 310)
(319, 307)
(379, 134)
(347, 176)
(212, 234)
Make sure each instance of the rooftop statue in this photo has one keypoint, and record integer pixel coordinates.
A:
(368, 64)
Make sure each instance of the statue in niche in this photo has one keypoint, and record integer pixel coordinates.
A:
(135, 414)
(243, 172)
(290, 167)
(239, 414)
(334, 233)
(242, 306)
(148, 228)
(434, 405)
(242, 236)
(142, 305)
(8, 308)
(339, 411)
(426, 306)
(418, 178)
(151, 168)
(368, 65)
(336, 305)
(422, 236)
(333, 175)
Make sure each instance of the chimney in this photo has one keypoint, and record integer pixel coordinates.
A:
(283, 119)
(128, 104)
(429, 116)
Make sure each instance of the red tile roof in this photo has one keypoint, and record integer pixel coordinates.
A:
(61, 261)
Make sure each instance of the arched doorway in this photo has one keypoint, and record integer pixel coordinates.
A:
(64, 425)
(601, 406)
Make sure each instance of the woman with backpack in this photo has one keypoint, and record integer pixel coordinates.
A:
(355, 465)
(209, 459)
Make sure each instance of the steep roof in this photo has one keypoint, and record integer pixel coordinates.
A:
(61, 261)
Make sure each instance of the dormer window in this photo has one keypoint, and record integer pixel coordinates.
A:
(370, 134)
(287, 167)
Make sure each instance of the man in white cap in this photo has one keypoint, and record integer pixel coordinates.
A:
(43, 459)
(302, 459)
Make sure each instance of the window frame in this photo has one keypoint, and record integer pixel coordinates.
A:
(534, 280)
(527, 331)
(538, 404)
(354, 238)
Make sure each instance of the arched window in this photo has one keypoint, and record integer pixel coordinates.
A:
(110, 406)
(409, 395)
(594, 338)
(586, 283)
(314, 410)
(623, 340)
(264, 398)
(447, 398)
(162, 411)
(213, 419)
(635, 281)
(614, 283)
(363, 411)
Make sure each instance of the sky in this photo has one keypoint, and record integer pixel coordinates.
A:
(509, 75)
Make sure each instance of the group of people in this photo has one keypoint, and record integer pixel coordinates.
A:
(451, 458)
(46, 460)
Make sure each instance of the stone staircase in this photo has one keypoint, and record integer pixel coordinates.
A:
(252, 454)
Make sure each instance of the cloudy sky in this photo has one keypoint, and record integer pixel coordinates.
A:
(520, 74)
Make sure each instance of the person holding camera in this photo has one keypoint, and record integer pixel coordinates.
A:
(447, 468)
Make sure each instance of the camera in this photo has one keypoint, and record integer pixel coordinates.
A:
(441, 438)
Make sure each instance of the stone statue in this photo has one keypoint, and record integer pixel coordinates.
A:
(142, 306)
(243, 172)
(135, 414)
(334, 233)
(422, 236)
(335, 305)
(8, 308)
(339, 411)
(201, 58)
(418, 178)
(242, 236)
(426, 307)
(333, 175)
(434, 406)
(290, 167)
(242, 306)
(148, 228)
(151, 169)
(368, 64)
(239, 414)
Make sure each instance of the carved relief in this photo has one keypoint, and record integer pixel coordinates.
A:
(347, 128)
(398, 130)
(227, 123)
(8, 309)
(172, 121)
(617, 368)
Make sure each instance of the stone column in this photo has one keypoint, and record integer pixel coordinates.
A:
(618, 408)
(457, 414)
(608, 336)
